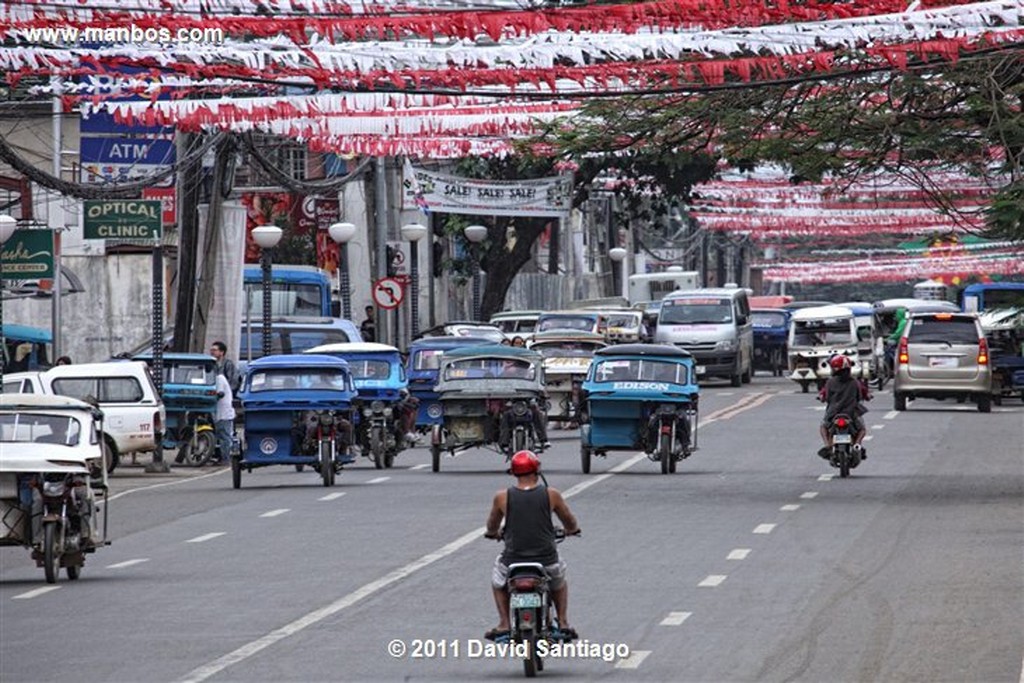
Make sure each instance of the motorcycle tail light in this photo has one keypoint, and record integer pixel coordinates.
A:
(982, 351)
(904, 354)
(527, 616)
(666, 428)
(525, 584)
(841, 423)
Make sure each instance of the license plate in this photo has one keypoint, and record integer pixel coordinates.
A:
(701, 369)
(942, 362)
(842, 438)
(525, 600)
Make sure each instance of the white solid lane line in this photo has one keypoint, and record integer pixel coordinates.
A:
(738, 554)
(161, 485)
(712, 581)
(675, 618)
(792, 507)
(891, 415)
(378, 480)
(275, 513)
(826, 477)
(332, 496)
(34, 593)
(421, 466)
(205, 537)
(633, 661)
(764, 528)
(809, 494)
(127, 563)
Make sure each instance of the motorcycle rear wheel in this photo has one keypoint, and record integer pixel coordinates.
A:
(74, 571)
(377, 447)
(843, 456)
(530, 662)
(51, 553)
(665, 452)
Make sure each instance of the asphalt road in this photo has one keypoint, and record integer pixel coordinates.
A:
(754, 562)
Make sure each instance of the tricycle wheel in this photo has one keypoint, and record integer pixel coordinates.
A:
(51, 553)
(299, 468)
(736, 380)
(327, 462)
(377, 447)
(985, 403)
(665, 452)
(435, 458)
(74, 571)
(585, 459)
(389, 459)
(805, 387)
(236, 472)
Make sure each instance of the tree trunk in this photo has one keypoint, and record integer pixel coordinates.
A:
(501, 265)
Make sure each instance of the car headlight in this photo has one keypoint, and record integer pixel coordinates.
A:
(519, 408)
(377, 406)
(725, 345)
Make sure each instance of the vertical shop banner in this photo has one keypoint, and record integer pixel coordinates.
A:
(327, 212)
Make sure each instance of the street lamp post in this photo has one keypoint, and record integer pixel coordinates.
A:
(267, 237)
(475, 234)
(7, 227)
(617, 255)
(414, 232)
(342, 234)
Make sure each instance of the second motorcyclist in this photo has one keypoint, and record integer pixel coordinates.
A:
(843, 395)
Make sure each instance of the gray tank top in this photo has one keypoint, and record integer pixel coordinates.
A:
(529, 532)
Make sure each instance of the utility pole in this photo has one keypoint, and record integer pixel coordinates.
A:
(222, 182)
(188, 191)
(381, 225)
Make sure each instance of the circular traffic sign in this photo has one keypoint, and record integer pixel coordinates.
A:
(388, 293)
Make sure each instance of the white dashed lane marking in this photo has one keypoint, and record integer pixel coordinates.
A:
(378, 480)
(790, 508)
(206, 537)
(675, 618)
(127, 563)
(275, 513)
(809, 494)
(421, 466)
(826, 477)
(891, 415)
(764, 528)
(878, 426)
(633, 661)
(869, 437)
(712, 581)
(332, 496)
(34, 593)
(738, 554)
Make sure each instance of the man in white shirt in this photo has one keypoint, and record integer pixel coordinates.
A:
(224, 421)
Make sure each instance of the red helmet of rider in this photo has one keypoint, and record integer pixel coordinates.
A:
(524, 462)
(839, 363)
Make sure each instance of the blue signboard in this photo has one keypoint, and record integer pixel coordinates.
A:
(125, 150)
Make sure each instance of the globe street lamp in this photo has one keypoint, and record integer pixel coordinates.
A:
(267, 237)
(475, 234)
(617, 255)
(7, 227)
(414, 232)
(342, 234)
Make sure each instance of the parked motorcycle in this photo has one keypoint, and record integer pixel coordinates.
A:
(844, 455)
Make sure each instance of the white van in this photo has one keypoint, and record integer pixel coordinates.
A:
(714, 325)
(133, 413)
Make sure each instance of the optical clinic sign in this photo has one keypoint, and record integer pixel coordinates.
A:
(122, 219)
(551, 197)
(28, 255)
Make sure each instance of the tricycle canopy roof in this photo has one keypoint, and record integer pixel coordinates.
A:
(494, 351)
(665, 350)
(42, 402)
(858, 307)
(822, 312)
(304, 360)
(915, 305)
(567, 335)
(449, 343)
(352, 347)
(25, 333)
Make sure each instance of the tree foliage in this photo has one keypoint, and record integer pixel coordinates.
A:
(963, 116)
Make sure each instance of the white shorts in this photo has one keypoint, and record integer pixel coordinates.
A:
(555, 572)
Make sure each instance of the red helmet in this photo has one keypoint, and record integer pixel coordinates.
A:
(839, 362)
(524, 462)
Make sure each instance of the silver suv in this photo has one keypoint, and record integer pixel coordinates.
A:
(943, 355)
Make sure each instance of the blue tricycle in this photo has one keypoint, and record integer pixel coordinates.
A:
(640, 397)
(771, 331)
(298, 411)
(190, 399)
(423, 367)
(384, 412)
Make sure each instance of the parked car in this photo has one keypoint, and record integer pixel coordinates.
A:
(134, 414)
(943, 355)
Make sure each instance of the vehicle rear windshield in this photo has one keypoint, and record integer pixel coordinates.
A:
(696, 312)
(566, 349)
(427, 359)
(490, 368)
(369, 369)
(822, 332)
(951, 331)
(279, 379)
(640, 370)
(189, 373)
(768, 319)
(39, 428)
(566, 322)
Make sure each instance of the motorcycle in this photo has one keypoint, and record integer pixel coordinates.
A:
(519, 429)
(844, 456)
(66, 529)
(668, 434)
(531, 610)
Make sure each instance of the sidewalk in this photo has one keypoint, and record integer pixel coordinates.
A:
(126, 470)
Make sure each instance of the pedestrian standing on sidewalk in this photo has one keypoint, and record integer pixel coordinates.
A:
(224, 420)
(225, 366)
